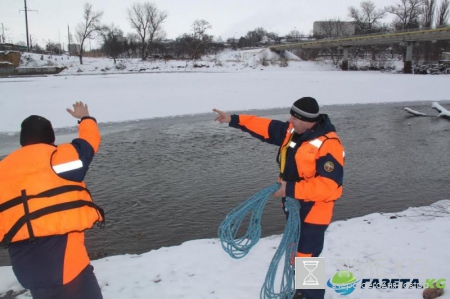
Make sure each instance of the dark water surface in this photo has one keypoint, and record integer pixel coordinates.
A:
(165, 181)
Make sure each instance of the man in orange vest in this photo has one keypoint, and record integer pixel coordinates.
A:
(45, 208)
(311, 160)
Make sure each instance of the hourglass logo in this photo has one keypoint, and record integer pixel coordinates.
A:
(310, 273)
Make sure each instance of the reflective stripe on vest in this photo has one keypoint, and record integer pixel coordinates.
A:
(36, 202)
(317, 143)
(68, 166)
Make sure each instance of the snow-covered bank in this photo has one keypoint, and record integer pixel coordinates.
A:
(119, 97)
(409, 244)
(225, 61)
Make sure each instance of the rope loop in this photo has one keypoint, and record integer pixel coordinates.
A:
(238, 247)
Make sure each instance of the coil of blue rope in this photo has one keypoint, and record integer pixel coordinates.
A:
(238, 247)
(288, 250)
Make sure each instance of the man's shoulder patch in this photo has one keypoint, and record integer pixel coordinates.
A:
(328, 166)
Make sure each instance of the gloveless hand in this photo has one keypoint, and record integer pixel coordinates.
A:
(223, 117)
(80, 110)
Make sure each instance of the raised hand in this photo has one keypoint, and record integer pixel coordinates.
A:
(80, 110)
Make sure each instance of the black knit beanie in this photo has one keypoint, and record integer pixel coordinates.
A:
(306, 109)
(36, 129)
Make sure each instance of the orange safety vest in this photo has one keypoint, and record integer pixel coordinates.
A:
(36, 202)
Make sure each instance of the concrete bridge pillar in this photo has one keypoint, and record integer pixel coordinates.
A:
(407, 64)
(345, 59)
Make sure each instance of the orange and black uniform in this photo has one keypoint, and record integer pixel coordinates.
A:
(44, 210)
(312, 164)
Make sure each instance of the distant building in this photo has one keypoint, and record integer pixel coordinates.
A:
(333, 28)
(266, 40)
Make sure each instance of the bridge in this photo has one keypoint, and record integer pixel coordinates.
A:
(408, 37)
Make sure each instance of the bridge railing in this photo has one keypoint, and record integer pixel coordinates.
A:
(381, 34)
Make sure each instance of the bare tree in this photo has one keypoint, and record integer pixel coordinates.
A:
(255, 36)
(442, 14)
(329, 29)
(87, 28)
(133, 45)
(199, 27)
(407, 12)
(53, 48)
(429, 12)
(294, 35)
(368, 18)
(113, 41)
(147, 20)
(200, 38)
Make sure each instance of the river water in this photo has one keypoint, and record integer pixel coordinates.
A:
(168, 180)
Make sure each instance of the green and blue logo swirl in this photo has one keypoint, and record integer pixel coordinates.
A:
(343, 282)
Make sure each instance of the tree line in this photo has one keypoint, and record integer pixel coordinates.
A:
(148, 37)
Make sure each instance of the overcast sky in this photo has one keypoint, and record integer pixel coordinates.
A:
(228, 18)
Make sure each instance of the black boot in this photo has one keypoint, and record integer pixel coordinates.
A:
(298, 295)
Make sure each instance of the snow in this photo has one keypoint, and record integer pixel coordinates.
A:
(442, 111)
(414, 112)
(410, 244)
(179, 88)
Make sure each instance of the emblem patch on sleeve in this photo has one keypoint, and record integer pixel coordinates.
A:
(328, 166)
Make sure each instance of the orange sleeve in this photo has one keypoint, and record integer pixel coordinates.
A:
(88, 130)
(258, 125)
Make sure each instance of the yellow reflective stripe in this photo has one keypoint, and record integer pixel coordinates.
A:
(284, 153)
(68, 166)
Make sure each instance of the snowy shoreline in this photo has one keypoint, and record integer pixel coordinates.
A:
(393, 245)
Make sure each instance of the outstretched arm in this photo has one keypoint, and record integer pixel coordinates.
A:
(264, 129)
(71, 160)
(88, 129)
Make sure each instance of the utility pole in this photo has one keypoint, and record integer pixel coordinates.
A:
(3, 33)
(68, 35)
(26, 23)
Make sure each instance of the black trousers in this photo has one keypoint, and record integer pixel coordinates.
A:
(84, 286)
(311, 241)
